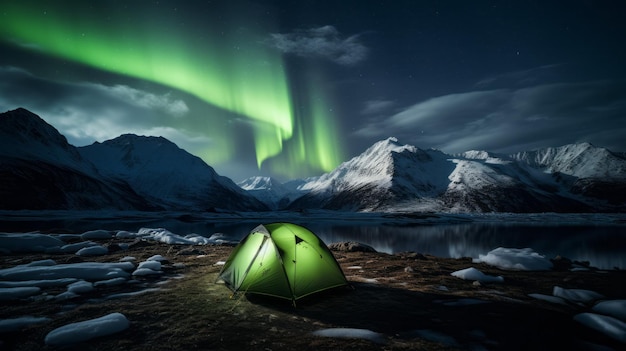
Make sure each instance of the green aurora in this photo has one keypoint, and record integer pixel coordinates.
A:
(225, 65)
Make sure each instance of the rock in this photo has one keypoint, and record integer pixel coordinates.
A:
(351, 246)
(190, 251)
(561, 263)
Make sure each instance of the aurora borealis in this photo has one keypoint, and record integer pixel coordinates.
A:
(235, 72)
(292, 89)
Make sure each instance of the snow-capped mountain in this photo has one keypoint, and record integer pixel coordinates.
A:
(269, 191)
(386, 175)
(40, 170)
(390, 176)
(162, 172)
(581, 160)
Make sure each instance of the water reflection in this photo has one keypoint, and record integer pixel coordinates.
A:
(602, 245)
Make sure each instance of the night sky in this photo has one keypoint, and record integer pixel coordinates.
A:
(294, 88)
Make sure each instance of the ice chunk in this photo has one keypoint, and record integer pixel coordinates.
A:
(145, 271)
(7, 294)
(41, 263)
(351, 333)
(80, 287)
(576, 295)
(607, 325)
(93, 251)
(154, 265)
(474, 274)
(70, 248)
(87, 330)
(44, 283)
(68, 295)
(164, 236)
(85, 270)
(198, 239)
(157, 258)
(613, 308)
(515, 259)
(549, 298)
(96, 234)
(110, 282)
(130, 294)
(29, 242)
(122, 234)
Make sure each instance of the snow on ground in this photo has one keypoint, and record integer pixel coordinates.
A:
(577, 295)
(87, 330)
(476, 275)
(607, 317)
(609, 326)
(55, 243)
(515, 259)
(352, 333)
(8, 294)
(29, 281)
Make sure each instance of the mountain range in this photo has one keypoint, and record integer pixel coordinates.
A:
(390, 176)
(39, 169)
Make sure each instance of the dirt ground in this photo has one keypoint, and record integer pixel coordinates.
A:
(410, 299)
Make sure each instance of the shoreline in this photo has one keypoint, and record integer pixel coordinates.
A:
(410, 300)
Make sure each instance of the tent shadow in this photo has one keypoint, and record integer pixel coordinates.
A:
(456, 322)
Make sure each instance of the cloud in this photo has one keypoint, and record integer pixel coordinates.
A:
(521, 78)
(373, 107)
(176, 108)
(508, 120)
(322, 42)
(88, 112)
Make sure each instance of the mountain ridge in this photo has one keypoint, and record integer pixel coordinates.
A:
(126, 173)
(41, 170)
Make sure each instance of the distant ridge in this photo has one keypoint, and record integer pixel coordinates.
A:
(390, 176)
(40, 170)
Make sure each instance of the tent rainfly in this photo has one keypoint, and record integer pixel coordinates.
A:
(283, 260)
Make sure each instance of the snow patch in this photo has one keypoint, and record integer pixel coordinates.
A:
(90, 271)
(474, 274)
(351, 333)
(99, 234)
(607, 325)
(28, 242)
(8, 294)
(515, 259)
(87, 330)
(577, 295)
(93, 251)
(613, 308)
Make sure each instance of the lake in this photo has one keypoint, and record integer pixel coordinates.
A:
(599, 239)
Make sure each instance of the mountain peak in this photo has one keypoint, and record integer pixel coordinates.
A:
(581, 160)
(25, 124)
(129, 138)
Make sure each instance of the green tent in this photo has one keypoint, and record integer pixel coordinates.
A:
(283, 260)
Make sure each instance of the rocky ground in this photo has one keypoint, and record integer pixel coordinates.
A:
(410, 299)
